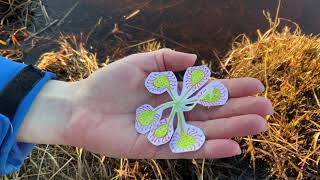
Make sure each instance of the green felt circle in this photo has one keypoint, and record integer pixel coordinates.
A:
(161, 82)
(196, 76)
(186, 141)
(212, 96)
(161, 131)
(146, 118)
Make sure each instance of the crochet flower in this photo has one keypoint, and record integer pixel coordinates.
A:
(185, 137)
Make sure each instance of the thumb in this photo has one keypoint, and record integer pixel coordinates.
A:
(162, 60)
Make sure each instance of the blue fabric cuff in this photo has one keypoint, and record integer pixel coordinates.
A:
(13, 153)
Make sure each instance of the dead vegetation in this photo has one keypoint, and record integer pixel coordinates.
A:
(72, 62)
(65, 162)
(21, 25)
(13, 26)
(288, 63)
(150, 46)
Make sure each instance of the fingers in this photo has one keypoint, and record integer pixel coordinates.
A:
(212, 149)
(217, 131)
(245, 125)
(234, 107)
(239, 87)
(162, 60)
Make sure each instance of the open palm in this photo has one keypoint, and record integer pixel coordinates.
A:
(104, 107)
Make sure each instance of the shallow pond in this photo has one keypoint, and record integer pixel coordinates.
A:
(202, 27)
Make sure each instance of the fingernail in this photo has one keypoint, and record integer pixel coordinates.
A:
(266, 128)
(193, 56)
(238, 151)
(262, 88)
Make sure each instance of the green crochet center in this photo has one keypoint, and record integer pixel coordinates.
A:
(196, 76)
(186, 141)
(146, 118)
(212, 96)
(161, 82)
(161, 131)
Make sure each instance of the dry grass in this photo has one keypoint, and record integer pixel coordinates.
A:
(15, 17)
(72, 62)
(288, 63)
(64, 162)
(150, 46)
(21, 21)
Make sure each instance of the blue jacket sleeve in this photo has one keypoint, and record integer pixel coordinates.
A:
(13, 153)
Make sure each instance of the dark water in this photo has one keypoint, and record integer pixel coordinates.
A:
(200, 26)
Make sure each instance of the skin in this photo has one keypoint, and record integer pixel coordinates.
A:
(98, 113)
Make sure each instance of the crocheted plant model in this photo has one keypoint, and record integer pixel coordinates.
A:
(185, 137)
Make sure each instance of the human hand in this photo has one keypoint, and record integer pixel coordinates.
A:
(104, 107)
(98, 113)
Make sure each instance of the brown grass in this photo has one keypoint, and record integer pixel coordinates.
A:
(288, 62)
(15, 17)
(72, 62)
(64, 162)
(150, 46)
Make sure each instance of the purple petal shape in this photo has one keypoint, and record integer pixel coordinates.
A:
(219, 98)
(194, 78)
(215, 86)
(162, 132)
(190, 139)
(167, 76)
(143, 127)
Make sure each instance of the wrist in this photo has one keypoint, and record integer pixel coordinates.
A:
(48, 115)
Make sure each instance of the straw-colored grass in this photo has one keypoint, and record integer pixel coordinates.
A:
(72, 62)
(150, 46)
(13, 26)
(288, 63)
(21, 21)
